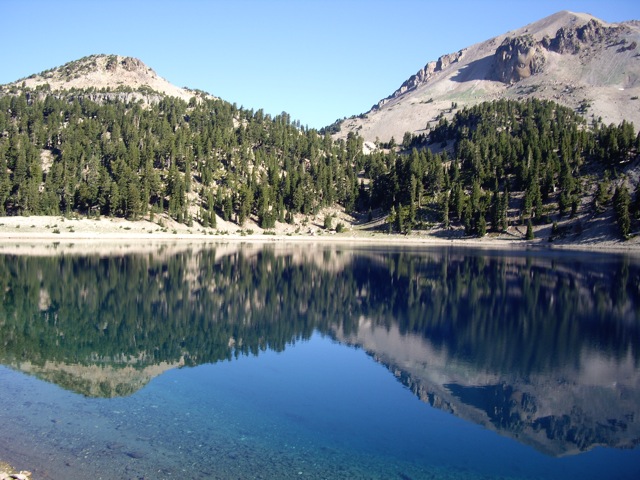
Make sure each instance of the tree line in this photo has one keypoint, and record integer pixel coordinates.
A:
(489, 166)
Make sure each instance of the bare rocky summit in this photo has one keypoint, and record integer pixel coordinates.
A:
(571, 58)
(573, 39)
(100, 76)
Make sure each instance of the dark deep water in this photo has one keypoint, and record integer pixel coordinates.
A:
(299, 361)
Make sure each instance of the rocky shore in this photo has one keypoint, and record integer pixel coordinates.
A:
(7, 472)
(59, 230)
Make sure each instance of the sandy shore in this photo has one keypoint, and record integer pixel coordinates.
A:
(44, 231)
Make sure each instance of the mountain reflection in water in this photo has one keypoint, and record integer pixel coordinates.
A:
(541, 348)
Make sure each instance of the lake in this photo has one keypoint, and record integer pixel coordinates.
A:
(320, 361)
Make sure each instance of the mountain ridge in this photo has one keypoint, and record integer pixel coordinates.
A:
(100, 136)
(601, 79)
(602, 84)
(102, 74)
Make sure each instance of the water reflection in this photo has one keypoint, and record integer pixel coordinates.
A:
(540, 348)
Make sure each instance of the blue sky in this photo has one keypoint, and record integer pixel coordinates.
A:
(316, 60)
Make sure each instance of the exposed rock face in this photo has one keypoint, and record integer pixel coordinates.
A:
(586, 62)
(130, 64)
(518, 58)
(424, 75)
(571, 40)
(445, 60)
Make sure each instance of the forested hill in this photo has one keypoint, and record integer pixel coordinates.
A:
(493, 168)
(513, 163)
(66, 153)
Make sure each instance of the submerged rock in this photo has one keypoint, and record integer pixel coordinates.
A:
(8, 473)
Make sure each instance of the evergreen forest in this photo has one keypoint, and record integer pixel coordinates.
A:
(483, 168)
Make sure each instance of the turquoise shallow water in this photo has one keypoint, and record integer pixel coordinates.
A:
(318, 410)
(402, 365)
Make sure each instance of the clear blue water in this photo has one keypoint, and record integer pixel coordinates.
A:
(381, 399)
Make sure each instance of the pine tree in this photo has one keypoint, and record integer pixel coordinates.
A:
(391, 219)
(621, 201)
(482, 226)
(529, 235)
(602, 194)
(467, 219)
(445, 210)
(636, 204)
(400, 220)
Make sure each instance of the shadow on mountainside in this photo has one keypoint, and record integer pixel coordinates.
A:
(477, 70)
(589, 230)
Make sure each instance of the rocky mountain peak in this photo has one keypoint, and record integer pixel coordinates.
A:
(571, 39)
(129, 64)
(104, 75)
(102, 69)
(520, 57)
(571, 58)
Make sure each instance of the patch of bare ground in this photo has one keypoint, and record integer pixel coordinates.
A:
(45, 235)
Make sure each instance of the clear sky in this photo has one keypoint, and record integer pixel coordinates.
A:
(317, 60)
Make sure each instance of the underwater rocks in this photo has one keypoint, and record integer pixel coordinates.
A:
(23, 475)
(7, 472)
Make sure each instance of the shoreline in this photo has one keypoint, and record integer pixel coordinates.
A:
(53, 232)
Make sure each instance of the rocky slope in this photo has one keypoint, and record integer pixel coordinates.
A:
(100, 76)
(571, 58)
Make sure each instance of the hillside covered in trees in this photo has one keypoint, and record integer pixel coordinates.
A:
(506, 162)
(191, 160)
(491, 166)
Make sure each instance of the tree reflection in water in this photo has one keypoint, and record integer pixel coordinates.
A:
(541, 347)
